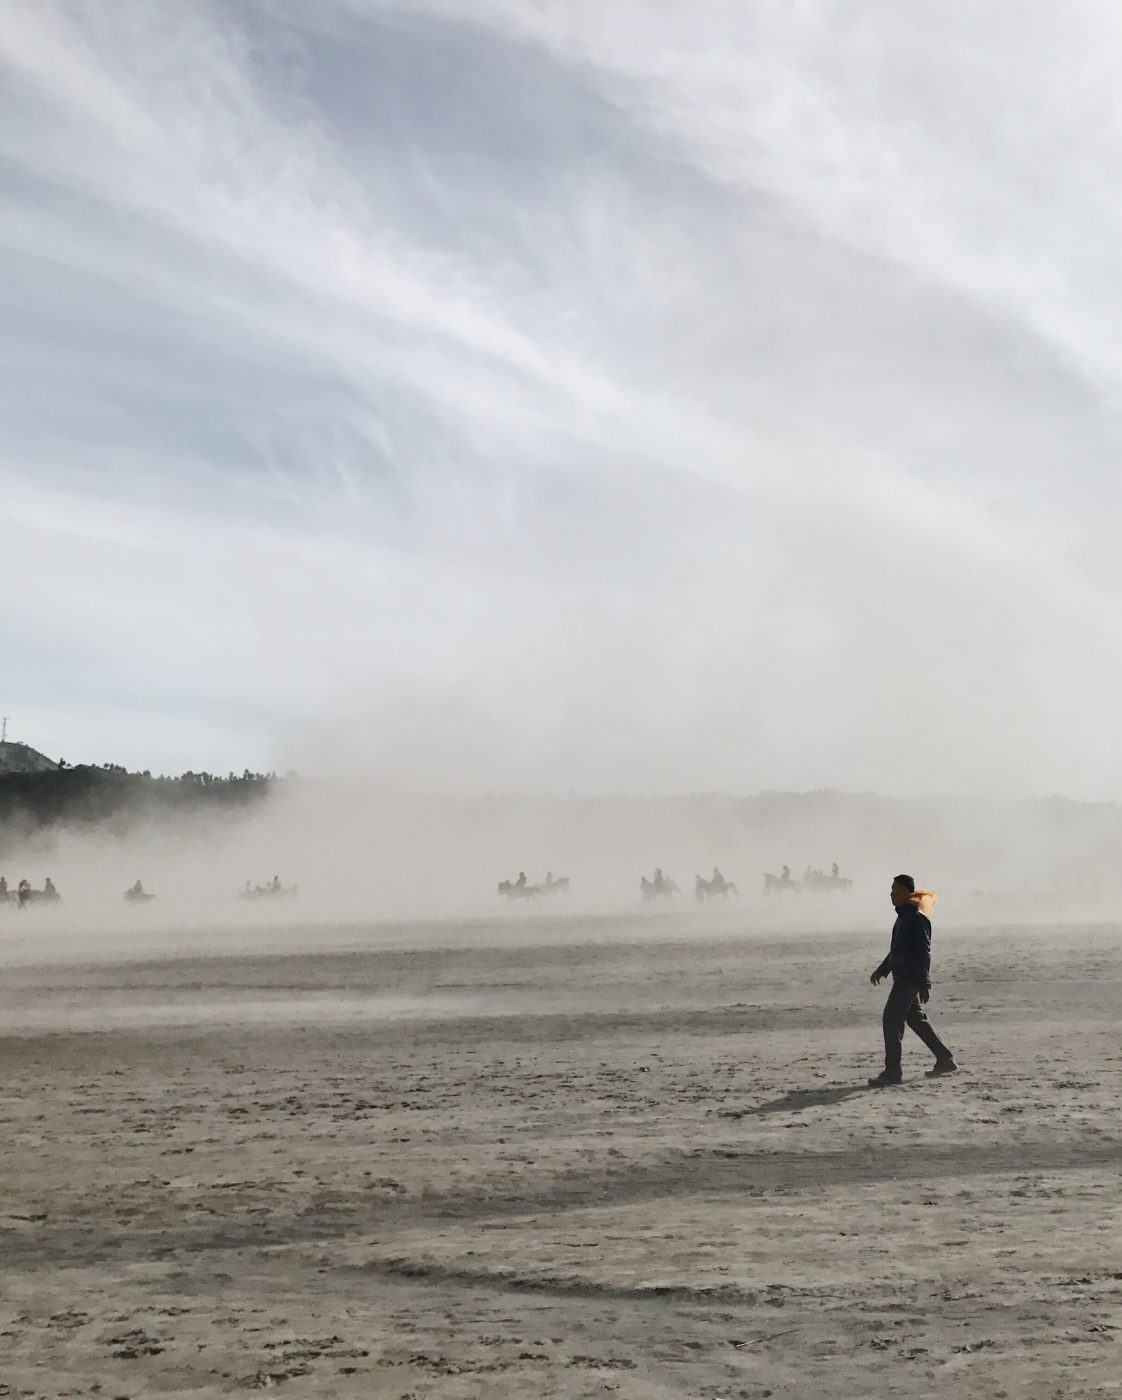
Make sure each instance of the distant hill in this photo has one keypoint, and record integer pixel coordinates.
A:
(38, 793)
(22, 758)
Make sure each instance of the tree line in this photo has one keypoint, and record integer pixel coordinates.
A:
(90, 794)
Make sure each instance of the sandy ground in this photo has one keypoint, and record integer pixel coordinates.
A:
(576, 1165)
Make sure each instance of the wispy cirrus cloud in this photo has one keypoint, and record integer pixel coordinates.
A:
(565, 395)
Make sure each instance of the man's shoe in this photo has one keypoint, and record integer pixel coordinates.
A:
(947, 1066)
(884, 1079)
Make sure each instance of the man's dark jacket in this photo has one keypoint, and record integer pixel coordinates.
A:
(909, 958)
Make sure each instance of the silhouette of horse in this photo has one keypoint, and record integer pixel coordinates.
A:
(47, 895)
(838, 884)
(513, 890)
(717, 888)
(658, 889)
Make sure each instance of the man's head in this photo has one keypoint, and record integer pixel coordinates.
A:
(903, 887)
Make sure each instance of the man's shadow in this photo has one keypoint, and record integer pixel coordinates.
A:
(798, 1099)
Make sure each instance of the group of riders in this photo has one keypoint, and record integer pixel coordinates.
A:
(812, 881)
(659, 886)
(522, 889)
(272, 890)
(663, 886)
(25, 893)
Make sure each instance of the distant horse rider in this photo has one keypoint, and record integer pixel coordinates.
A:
(520, 883)
(909, 962)
(785, 875)
(275, 884)
(49, 891)
(834, 870)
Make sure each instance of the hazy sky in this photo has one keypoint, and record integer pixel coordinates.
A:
(565, 394)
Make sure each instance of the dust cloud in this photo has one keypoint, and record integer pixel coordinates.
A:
(375, 862)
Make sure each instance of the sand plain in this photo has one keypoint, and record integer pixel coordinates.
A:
(631, 1158)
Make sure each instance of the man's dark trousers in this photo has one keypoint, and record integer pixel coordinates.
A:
(904, 1008)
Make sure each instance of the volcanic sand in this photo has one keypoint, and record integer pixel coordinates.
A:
(634, 1159)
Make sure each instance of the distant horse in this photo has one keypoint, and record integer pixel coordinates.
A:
(717, 888)
(817, 881)
(47, 895)
(513, 890)
(779, 884)
(138, 896)
(663, 888)
(560, 885)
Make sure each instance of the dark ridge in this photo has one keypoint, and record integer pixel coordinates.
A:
(110, 796)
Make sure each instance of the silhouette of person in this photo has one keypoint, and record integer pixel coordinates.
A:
(520, 883)
(834, 870)
(909, 962)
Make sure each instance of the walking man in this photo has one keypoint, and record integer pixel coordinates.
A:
(909, 962)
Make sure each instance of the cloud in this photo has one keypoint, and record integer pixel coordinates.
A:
(558, 396)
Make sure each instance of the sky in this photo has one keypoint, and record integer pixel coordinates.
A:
(548, 396)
